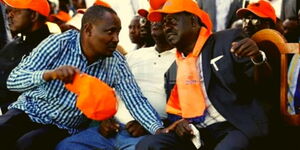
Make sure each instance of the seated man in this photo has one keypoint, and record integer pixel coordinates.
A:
(46, 111)
(214, 83)
(27, 20)
(148, 66)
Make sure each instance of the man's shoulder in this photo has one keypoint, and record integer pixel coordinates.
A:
(66, 36)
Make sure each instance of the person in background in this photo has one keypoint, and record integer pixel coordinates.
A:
(135, 32)
(5, 35)
(27, 20)
(145, 32)
(148, 66)
(221, 12)
(60, 19)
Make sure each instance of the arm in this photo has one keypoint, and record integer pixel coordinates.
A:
(134, 100)
(248, 48)
(30, 72)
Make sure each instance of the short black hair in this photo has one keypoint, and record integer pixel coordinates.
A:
(95, 13)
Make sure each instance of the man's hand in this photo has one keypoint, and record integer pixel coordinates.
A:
(184, 130)
(63, 73)
(181, 128)
(135, 129)
(108, 128)
(246, 48)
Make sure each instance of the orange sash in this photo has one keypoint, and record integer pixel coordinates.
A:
(95, 98)
(187, 98)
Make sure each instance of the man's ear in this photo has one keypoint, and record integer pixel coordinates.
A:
(87, 28)
(35, 16)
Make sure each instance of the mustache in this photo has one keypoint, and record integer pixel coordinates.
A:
(112, 45)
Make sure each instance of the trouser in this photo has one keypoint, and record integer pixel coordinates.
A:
(91, 139)
(18, 132)
(219, 136)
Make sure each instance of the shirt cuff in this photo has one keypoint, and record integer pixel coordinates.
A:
(155, 127)
(37, 77)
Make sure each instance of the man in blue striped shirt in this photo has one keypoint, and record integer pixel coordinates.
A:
(46, 109)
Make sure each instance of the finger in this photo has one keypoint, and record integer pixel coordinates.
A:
(173, 126)
(129, 124)
(236, 45)
(242, 50)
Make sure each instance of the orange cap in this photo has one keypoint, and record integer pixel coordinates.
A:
(95, 98)
(102, 3)
(97, 2)
(40, 6)
(261, 8)
(176, 6)
(61, 15)
(143, 12)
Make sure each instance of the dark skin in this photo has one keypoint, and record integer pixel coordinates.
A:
(134, 32)
(23, 20)
(253, 23)
(182, 30)
(110, 127)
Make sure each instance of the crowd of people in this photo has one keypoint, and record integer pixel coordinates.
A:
(195, 79)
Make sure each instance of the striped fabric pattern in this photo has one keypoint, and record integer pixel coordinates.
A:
(294, 86)
(51, 103)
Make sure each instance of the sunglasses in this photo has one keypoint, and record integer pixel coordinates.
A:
(252, 20)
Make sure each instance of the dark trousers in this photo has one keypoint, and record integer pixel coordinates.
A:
(18, 132)
(219, 136)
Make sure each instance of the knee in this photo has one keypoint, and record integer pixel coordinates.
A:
(144, 144)
(64, 145)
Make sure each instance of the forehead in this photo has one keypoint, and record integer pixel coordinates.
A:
(109, 18)
(174, 15)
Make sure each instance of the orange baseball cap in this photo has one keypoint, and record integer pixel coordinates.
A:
(144, 12)
(95, 99)
(176, 6)
(40, 6)
(102, 3)
(61, 15)
(261, 8)
(97, 2)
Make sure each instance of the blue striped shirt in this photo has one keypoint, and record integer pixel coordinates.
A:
(51, 103)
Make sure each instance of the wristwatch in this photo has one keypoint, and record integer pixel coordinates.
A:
(264, 58)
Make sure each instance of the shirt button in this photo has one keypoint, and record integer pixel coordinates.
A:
(159, 55)
(12, 58)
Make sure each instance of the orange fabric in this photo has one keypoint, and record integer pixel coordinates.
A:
(61, 15)
(94, 97)
(102, 3)
(144, 12)
(40, 6)
(97, 2)
(176, 6)
(187, 98)
(261, 8)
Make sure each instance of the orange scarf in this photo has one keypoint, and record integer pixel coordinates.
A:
(95, 98)
(187, 98)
